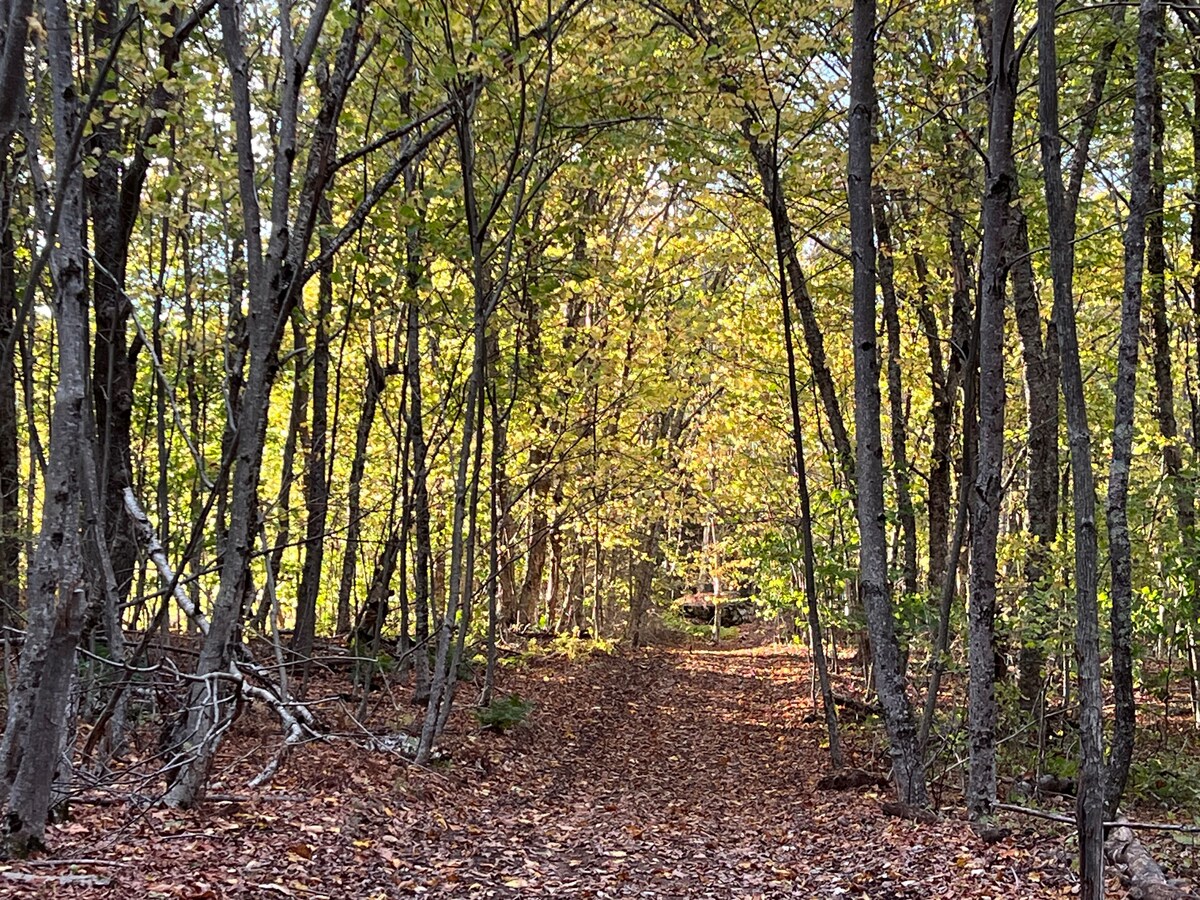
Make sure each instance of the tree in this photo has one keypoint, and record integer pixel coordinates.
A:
(908, 770)
(1090, 797)
(38, 727)
(276, 274)
(989, 461)
(1142, 195)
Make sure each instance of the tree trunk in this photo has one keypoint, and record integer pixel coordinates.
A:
(944, 395)
(32, 748)
(898, 415)
(113, 376)
(641, 595)
(1090, 798)
(815, 639)
(15, 18)
(275, 278)
(423, 557)
(1142, 196)
(908, 770)
(316, 491)
(814, 338)
(999, 191)
(10, 459)
(1161, 348)
(1040, 357)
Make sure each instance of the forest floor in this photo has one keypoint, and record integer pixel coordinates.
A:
(672, 772)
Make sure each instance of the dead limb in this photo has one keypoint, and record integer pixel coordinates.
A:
(49, 863)
(1121, 823)
(253, 681)
(1146, 879)
(62, 880)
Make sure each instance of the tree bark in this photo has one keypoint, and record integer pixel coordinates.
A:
(15, 16)
(1040, 357)
(1089, 809)
(10, 459)
(943, 390)
(31, 750)
(1142, 195)
(812, 600)
(1161, 346)
(275, 278)
(112, 363)
(908, 770)
(114, 194)
(999, 191)
(316, 491)
(899, 418)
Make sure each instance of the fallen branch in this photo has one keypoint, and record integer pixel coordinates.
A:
(62, 880)
(1036, 813)
(1070, 820)
(50, 863)
(1147, 880)
(297, 721)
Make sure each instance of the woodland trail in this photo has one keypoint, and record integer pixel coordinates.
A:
(671, 772)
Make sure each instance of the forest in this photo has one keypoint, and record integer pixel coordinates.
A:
(600, 448)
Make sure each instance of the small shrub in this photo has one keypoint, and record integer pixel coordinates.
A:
(504, 713)
(1171, 787)
(367, 663)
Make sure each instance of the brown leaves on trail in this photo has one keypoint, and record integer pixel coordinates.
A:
(670, 773)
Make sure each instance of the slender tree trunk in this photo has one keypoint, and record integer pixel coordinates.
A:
(316, 491)
(1040, 357)
(1194, 233)
(1090, 797)
(10, 460)
(898, 415)
(15, 18)
(1161, 344)
(1187, 491)
(460, 577)
(276, 275)
(112, 365)
(968, 374)
(641, 595)
(814, 338)
(815, 639)
(297, 428)
(999, 191)
(376, 381)
(114, 194)
(944, 399)
(1142, 195)
(496, 517)
(423, 557)
(908, 770)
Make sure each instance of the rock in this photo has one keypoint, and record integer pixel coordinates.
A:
(703, 608)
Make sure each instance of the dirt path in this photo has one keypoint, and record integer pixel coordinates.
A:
(670, 773)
